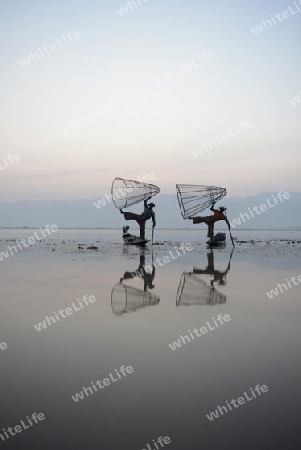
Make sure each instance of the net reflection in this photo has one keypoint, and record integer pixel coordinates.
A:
(193, 290)
(126, 297)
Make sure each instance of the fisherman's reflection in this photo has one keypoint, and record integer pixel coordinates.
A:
(147, 277)
(218, 275)
(193, 290)
(126, 297)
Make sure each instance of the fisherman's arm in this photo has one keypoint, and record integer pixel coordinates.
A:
(212, 207)
(145, 201)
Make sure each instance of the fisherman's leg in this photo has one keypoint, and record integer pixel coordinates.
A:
(210, 230)
(201, 219)
(131, 216)
(141, 260)
(198, 220)
(142, 229)
(129, 275)
(210, 259)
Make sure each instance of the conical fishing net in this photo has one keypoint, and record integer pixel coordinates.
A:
(193, 291)
(194, 199)
(127, 299)
(126, 193)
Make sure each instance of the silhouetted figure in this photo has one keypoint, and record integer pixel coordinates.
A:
(210, 220)
(147, 214)
(194, 291)
(126, 297)
(218, 275)
(147, 277)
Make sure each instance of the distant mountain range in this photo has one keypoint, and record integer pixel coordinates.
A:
(84, 213)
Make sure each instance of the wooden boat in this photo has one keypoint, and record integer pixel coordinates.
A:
(131, 239)
(218, 240)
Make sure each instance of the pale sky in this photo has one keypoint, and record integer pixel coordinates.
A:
(116, 60)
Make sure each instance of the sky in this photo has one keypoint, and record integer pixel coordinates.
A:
(137, 92)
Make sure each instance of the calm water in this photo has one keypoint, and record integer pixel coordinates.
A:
(132, 323)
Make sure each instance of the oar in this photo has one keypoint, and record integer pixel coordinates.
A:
(153, 234)
(230, 233)
(231, 238)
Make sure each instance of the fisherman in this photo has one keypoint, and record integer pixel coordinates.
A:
(218, 275)
(142, 218)
(210, 220)
(148, 278)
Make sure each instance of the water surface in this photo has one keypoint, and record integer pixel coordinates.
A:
(132, 323)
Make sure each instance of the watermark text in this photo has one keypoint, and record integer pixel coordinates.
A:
(9, 160)
(285, 286)
(24, 424)
(3, 346)
(205, 146)
(85, 120)
(259, 209)
(63, 313)
(101, 384)
(129, 6)
(269, 23)
(47, 50)
(200, 331)
(236, 403)
(11, 250)
(186, 67)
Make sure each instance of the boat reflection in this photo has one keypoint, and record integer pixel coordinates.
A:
(126, 297)
(193, 290)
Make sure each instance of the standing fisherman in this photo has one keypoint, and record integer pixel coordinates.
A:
(142, 218)
(210, 220)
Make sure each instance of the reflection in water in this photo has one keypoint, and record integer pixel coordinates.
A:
(193, 290)
(126, 298)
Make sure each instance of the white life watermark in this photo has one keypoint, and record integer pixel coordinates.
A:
(259, 209)
(47, 50)
(279, 288)
(103, 383)
(179, 251)
(295, 100)
(121, 192)
(3, 346)
(129, 6)
(200, 331)
(186, 67)
(9, 160)
(68, 311)
(11, 250)
(241, 401)
(24, 424)
(269, 23)
(205, 146)
(86, 120)
(161, 440)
